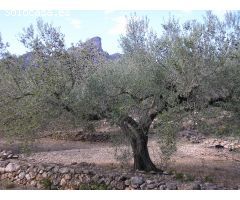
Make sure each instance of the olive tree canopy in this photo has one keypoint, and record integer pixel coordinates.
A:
(189, 66)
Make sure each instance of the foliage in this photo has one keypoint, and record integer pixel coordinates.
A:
(217, 122)
(47, 86)
(167, 129)
(122, 149)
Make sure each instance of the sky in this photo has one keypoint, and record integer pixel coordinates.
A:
(82, 24)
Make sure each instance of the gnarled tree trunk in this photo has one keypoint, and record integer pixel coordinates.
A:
(139, 140)
(142, 160)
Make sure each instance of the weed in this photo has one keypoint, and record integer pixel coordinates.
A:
(179, 176)
(208, 179)
(7, 184)
(93, 186)
(46, 183)
(189, 177)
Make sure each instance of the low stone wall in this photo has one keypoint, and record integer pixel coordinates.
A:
(25, 172)
(80, 176)
(89, 176)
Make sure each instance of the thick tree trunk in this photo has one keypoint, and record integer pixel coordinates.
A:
(139, 139)
(142, 160)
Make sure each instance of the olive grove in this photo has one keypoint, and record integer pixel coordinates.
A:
(188, 67)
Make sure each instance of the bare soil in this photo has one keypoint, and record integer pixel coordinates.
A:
(198, 160)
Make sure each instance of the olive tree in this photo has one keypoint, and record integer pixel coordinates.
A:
(45, 83)
(183, 69)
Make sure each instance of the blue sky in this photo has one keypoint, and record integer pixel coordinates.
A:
(82, 24)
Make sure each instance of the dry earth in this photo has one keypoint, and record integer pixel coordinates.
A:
(198, 160)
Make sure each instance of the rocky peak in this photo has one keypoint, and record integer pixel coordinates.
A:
(96, 42)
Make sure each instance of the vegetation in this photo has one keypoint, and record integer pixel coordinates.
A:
(93, 186)
(46, 183)
(188, 68)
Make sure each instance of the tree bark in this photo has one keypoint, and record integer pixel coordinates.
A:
(139, 140)
(142, 160)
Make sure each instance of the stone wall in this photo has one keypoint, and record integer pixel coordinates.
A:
(88, 176)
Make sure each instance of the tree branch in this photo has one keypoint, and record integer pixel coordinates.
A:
(24, 95)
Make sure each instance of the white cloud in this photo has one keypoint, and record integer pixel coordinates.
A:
(119, 26)
(76, 23)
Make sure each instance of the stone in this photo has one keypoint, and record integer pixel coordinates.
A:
(120, 186)
(162, 187)
(44, 175)
(56, 169)
(63, 182)
(108, 181)
(15, 156)
(127, 182)
(149, 181)
(22, 175)
(143, 186)
(2, 170)
(135, 186)
(55, 182)
(151, 186)
(88, 172)
(121, 178)
(10, 156)
(63, 170)
(49, 168)
(28, 177)
(11, 167)
(153, 172)
(53, 187)
(96, 178)
(101, 181)
(33, 183)
(196, 186)
(172, 186)
(39, 186)
(137, 180)
(67, 176)
(32, 175)
(113, 184)
(210, 186)
(166, 173)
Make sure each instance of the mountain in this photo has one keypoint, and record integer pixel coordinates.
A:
(97, 43)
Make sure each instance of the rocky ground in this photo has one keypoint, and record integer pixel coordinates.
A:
(199, 162)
